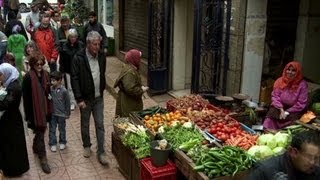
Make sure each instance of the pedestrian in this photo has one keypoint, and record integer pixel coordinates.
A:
(55, 19)
(13, 150)
(63, 31)
(68, 50)
(94, 25)
(14, 6)
(129, 83)
(45, 39)
(13, 21)
(3, 46)
(88, 83)
(16, 44)
(31, 47)
(300, 161)
(32, 19)
(10, 58)
(37, 105)
(289, 98)
(61, 112)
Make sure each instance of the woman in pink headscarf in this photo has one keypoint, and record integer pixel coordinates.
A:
(129, 83)
(289, 98)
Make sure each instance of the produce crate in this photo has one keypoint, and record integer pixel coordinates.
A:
(138, 121)
(150, 172)
(118, 131)
(244, 127)
(172, 108)
(186, 165)
(129, 165)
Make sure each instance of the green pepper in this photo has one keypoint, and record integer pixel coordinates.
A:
(199, 168)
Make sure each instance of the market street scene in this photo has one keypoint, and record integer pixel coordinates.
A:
(159, 89)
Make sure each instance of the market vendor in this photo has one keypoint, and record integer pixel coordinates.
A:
(289, 98)
(300, 161)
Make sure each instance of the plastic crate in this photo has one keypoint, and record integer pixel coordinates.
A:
(150, 172)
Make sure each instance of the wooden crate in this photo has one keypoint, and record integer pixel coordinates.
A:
(185, 165)
(129, 165)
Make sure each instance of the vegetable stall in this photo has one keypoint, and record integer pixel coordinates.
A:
(207, 142)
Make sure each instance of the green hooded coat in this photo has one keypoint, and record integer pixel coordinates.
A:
(130, 91)
(16, 44)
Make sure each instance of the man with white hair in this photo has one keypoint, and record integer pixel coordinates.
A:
(88, 83)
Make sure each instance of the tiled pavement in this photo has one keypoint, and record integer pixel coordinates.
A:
(69, 163)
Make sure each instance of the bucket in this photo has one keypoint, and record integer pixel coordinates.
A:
(159, 157)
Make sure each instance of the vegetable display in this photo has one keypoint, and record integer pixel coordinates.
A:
(137, 139)
(151, 111)
(205, 118)
(181, 136)
(244, 140)
(216, 162)
(185, 103)
(269, 145)
(169, 119)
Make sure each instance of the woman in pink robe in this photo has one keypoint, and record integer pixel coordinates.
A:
(289, 98)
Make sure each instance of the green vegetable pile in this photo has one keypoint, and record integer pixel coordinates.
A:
(151, 111)
(182, 137)
(216, 162)
(137, 139)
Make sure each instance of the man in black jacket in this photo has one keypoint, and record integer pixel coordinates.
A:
(94, 25)
(300, 161)
(88, 83)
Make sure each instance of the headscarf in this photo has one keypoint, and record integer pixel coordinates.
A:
(9, 72)
(16, 29)
(284, 82)
(133, 57)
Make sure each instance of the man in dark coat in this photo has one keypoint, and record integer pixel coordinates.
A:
(88, 83)
(300, 161)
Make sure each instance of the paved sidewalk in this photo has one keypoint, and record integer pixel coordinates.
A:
(69, 163)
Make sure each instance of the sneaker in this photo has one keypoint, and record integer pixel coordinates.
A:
(62, 146)
(53, 148)
(87, 152)
(103, 159)
(72, 107)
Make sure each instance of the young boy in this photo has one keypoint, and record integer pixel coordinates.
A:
(61, 112)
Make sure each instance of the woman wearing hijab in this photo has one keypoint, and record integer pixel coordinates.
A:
(13, 151)
(37, 104)
(289, 98)
(16, 44)
(129, 82)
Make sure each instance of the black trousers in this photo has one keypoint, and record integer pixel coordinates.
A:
(39, 146)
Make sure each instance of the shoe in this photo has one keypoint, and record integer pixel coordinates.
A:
(53, 148)
(87, 152)
(103, 159)
(44, 165)
(72, 107)
(45, 168)
(62, 146)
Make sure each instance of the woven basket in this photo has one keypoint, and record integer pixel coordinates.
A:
(118, 131)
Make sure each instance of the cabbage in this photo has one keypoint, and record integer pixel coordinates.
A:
(260, 152)
(267, 140)
(282, 139)
(278, 150)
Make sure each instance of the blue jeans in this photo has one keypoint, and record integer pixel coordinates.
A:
(95, 107)
(61, 123)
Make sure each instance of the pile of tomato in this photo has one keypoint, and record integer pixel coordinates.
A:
(225, 130)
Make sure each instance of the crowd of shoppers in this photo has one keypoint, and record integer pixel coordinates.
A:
(29, 73)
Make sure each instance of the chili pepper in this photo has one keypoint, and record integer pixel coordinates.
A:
(199, 168)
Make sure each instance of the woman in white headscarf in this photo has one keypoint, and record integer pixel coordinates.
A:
(13, 150)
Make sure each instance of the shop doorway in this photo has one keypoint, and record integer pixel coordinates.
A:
(282, 18)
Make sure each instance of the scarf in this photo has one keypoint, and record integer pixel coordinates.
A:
(284, 82)
(133, 57)
(9, 72)
(41, 103)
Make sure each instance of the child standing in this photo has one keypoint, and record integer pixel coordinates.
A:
(61, 112)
